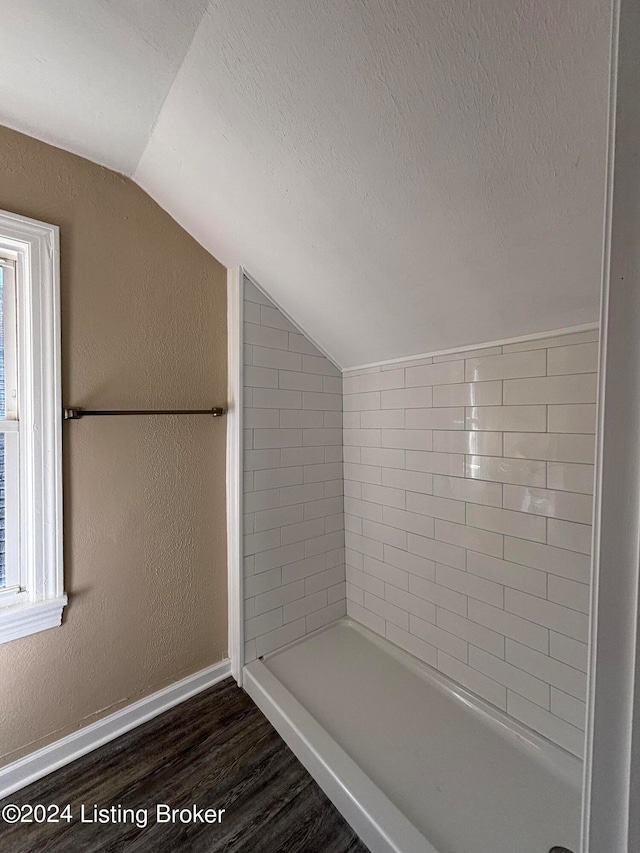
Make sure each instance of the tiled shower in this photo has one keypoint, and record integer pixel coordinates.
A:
(466, 516)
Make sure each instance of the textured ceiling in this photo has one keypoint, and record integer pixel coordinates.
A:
(400, 175)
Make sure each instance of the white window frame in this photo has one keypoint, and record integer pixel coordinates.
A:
(32, 247)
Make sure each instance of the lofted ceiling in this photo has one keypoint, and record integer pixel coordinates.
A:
(401, 176)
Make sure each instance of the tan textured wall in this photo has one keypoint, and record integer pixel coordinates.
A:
(143, 325)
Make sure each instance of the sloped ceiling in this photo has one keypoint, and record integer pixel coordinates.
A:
(401, 176)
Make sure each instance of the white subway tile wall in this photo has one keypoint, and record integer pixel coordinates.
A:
(293, 493)
(469, 484)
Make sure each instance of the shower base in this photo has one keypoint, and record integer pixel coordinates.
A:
(415, 763)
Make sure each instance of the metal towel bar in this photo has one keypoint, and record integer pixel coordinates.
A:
(75, 413)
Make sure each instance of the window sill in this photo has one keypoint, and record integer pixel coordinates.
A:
(20, 620)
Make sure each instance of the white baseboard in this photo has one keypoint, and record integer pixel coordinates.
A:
(44, 761)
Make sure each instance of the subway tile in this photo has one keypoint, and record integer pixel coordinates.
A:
(303, 606)
(410, 563)
(468, 441)
(353, 524)
(552, 727)
(438, 551)
(293, 381)
(547, 613)
(387, 610)
(261, 418)
(252, 294)
(271, 398)
(350, 384)
(515, 627)
(577, 418)
(483, 638)
(438, 595)
(328, 471)
(264, 582)
(570, 477)
(303, 530)
(414, 481)
(579, 358)
(299, 419)
(569, 593)
(503, 418)
(265, 560)
(278, 597)
(361, 402)
(519, 471)
(300, 493)
(416, 647)
(355, 595)
(409, 362)
(320, 400)
(410, 521)
(568, 708)
(322, 544)
(322, 437)
(368, 547)
(384, 533)
(470, 585)
(276, 319)
(257, 501)
(557, 561)
(468, 353)
(569, 651)
(262, 336)
(485, 541)
(509, 574)
(319, 364)
(383, 419)
(554, 672)
(362, 473)
(258, 460)
(353, 558)
(280, 637)
(468, 394)
(352, 490)
(351, 420)
(511, 523)
(322, 617)
(352, 455)
(266, 357)
(271, 518)
(382, 381)
(473, 491)
(442, 640)
(412, 439)
(363, 509)
(323, 508)
(370, 620)
(554, 341)
(262, 624)
(515, 679)
(335, 593)
(384, 457)
(332, 384)
(362, 437)
(553, 447)
(426, 419)
(251, 313)
(436, 463)
(550, 503)
(473, 680)
(365, 581)
(436, 507)
(300, 343)
(581, 388)
(333, 488)
(567, 534)
(260, 377)
(407, 398)
(386, 573)
(301, 569)
(383, 495)
(410, 604)
(506, 366)
(263, 541)
(444, 373)
(267, 438)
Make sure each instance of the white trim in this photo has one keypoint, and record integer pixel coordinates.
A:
(44, 761)
(35, 247)
(518, 339)
(235, 486)
(295, 323)
(29, 617)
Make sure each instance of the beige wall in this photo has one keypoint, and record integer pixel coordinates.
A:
(143, 325)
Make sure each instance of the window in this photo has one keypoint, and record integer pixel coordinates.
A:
(31, 582)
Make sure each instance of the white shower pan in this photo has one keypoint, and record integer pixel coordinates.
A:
(414, 762)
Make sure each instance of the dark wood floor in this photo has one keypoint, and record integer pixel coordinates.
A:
(217, 751)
